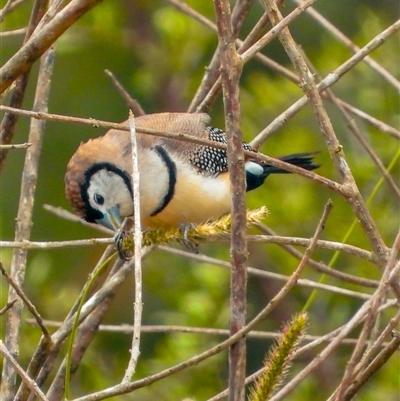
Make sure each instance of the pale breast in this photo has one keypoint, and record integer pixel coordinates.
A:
(197, 198)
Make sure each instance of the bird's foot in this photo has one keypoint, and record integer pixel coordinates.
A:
(125, 244)
(190, 244)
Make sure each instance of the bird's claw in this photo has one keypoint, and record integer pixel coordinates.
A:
(191, 245)
(123, 242)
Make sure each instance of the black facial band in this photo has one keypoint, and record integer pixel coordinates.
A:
(91, 215)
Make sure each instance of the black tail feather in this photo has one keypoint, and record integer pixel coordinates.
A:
(303, 160)
(255, 177)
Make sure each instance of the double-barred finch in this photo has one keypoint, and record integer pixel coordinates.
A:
(181, 183)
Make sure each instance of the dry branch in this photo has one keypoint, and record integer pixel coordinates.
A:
(24, 222)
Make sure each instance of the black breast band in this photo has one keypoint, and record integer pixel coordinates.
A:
(171, 169)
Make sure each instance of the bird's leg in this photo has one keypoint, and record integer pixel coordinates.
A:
(191, 245)
(124, 243)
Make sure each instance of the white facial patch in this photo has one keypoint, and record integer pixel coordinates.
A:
(113, 189)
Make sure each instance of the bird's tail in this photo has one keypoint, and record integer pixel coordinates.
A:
(303, 160)
(257, 173)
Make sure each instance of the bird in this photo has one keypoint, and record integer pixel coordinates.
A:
(181, 183)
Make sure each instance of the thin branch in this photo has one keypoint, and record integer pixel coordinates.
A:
(266, 239)
(261, 335)
(15, 32)
(328, 81)
(44, 359)
(302, 350)
(334, 147)
(7, 306)
(41, 40)
(360, 136)
(24, 220)
(10, 6)
(330, 28)
(138, 305)
(372, 352)
(231, 68)
(252, 52)
(16, 146)
(132, 104)
(374, 122)
(192, 139)
(279, 277)
(31, 308)
(378, 298)
(25, 378)
(9, 122)
(87, 332)
(362, 314)
(56, 244)
(319, 266)
(375, 365)
(212, 73)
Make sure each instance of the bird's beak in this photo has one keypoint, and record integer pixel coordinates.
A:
(111, 219)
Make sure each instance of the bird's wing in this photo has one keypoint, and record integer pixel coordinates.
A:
(206, 160)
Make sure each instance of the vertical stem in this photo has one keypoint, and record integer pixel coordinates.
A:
(24, 222)
(231, 67)
(137, 321)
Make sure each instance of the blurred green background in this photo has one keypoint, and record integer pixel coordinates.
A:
(160, 56)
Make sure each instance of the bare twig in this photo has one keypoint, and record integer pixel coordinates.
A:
(25, 378)
(374, 122)
(362, 314)
(302, 350)
(360, 136)
(41, 40)
(328, 81)
(212, 74)
(262, 335)
(16, 146)
(87, 331)
(231, 68)
(321, 267)
(15, 32)
(7, 306)
(249, 53)
(138, 307)
(334, 147)
(278, 277)
(10, 6)
(266, 239)
(188, 138)
(132, 104)
(378, 298)
(329, 27)
(372, 352)
(9, 122)
(18, 290)
(375, 365)
(24, 220)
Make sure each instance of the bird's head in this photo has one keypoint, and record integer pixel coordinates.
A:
(98, 188)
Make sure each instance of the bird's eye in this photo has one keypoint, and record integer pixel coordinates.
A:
(98, 199)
